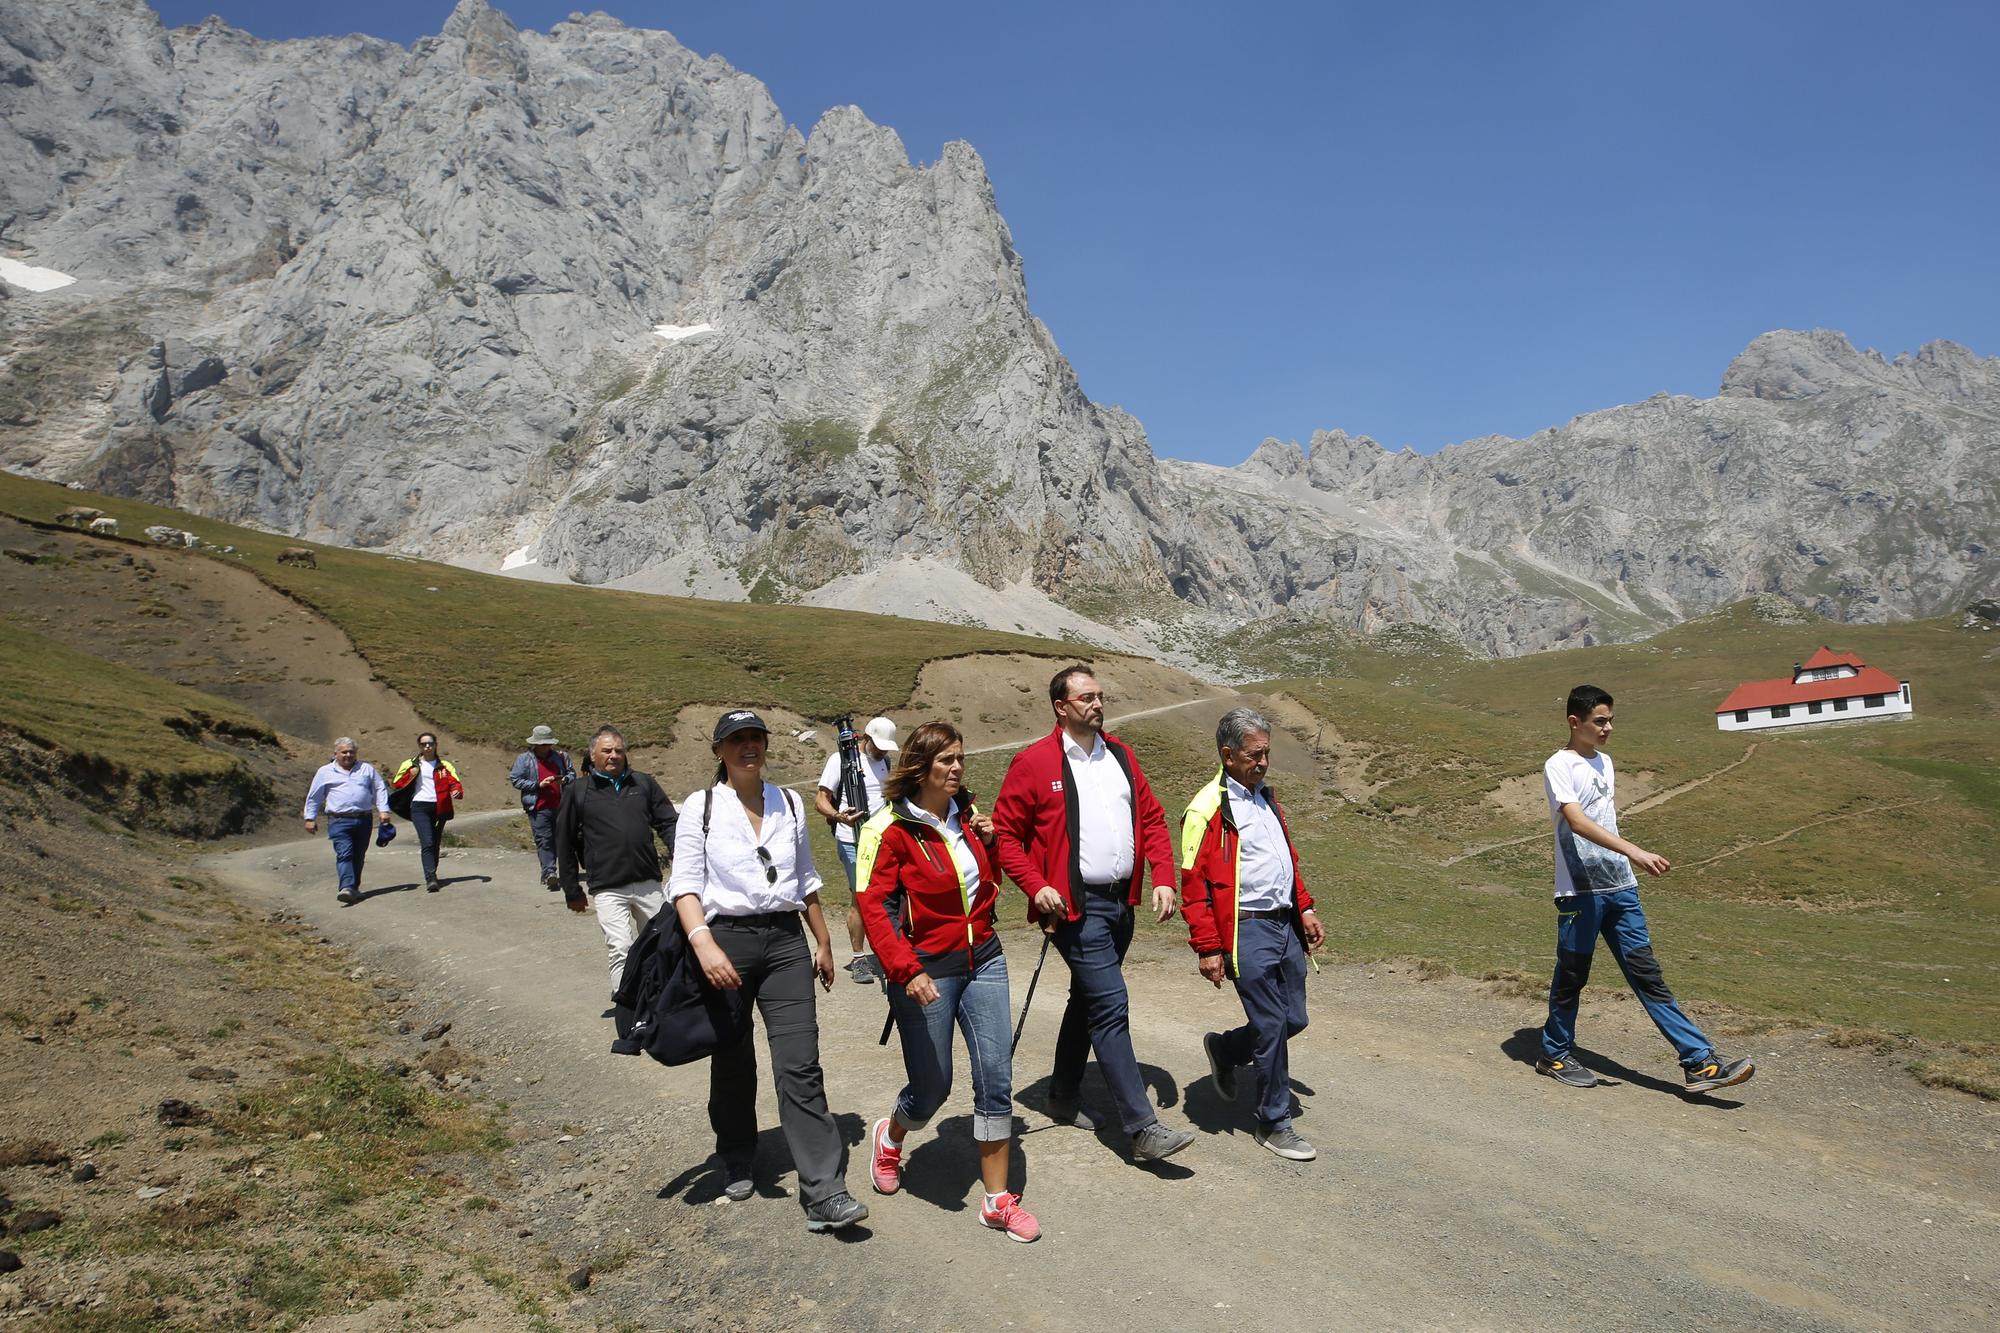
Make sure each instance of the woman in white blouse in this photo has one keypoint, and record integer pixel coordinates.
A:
(743, 883)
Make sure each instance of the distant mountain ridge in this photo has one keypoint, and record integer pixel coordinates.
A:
(438, 299)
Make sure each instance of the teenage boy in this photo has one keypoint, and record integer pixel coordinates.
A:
(1597, 894)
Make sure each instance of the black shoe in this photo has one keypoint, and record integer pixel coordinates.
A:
(551, 883)
(1065, 1111)
(432, 886)
(834, 1212)
(1565, 1069)
(1219, 1069)
(1156, 1142)
(1719, 1071)
(737, 1182)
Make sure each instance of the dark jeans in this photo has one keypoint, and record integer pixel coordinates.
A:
(1580, 919)
(543, 823)
(1271, 982)
(430, 832)
(777, 973)
(349, 835)
(1099, 1013)
(977, 1003)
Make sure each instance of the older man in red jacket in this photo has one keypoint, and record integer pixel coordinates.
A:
(1073, 819)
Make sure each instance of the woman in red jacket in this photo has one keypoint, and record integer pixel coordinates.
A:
(422, 792)
(927, 885)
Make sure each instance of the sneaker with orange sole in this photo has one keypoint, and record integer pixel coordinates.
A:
(1007, 1214)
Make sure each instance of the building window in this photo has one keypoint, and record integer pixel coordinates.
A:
(1872, 701)
(1840, 705)
(1813, 707)
(1781, 710)
(1742, 715)
(1906, 692)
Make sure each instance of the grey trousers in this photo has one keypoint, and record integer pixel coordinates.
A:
(776, 967)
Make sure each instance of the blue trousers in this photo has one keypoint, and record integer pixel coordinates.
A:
(1617, 916)
(543, 824)
(1271, 983)
(349, 835)
(978, 1004)
(1099, 1013)
(430, 832)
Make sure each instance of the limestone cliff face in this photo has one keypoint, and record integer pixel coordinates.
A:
(443, 299)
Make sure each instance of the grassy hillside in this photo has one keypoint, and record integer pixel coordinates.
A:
(489, 657)
(1845, 875)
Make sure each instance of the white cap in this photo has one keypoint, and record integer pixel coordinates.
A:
(883, 732)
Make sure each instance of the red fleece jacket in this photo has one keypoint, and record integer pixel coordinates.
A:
(1034, 824)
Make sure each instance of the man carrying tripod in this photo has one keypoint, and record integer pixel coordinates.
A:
(850, 790)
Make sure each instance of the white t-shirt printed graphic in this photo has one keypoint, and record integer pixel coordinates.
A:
(874, 772)
(1581, 865)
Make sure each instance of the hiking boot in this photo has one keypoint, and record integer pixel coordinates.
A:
(862, 968)
(1285, 1142)
(885, 1163)
(432, 886)
(1156, 1142)
(736, 1181)
(1006, 1214)
(1075, 1111)
(1565, 1069)
(834, 1212)
(348, 896)
(1719, 1071)
(1219, 1068)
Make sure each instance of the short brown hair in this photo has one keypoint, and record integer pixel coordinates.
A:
(1059, 683)
(923, 747)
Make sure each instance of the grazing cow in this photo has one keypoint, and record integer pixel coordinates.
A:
(104, 525)
(297, 555)
(79, 516)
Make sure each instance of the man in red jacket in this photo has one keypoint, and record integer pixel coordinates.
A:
(1073, 819)
(1250, 919)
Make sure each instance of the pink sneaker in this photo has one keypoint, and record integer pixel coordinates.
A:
(1009, 1216)
(885, 1163)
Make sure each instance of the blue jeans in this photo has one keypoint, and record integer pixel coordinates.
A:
(349, 835)
(1271, 983)
(430, 832)
(846, 852)
(1099, 1013)
(1617, 916)
(978, 1003)
(543, 824)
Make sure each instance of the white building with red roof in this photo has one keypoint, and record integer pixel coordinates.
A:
(1826, 687)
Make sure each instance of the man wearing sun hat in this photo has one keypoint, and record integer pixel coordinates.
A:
(540, 773)
(878, 741)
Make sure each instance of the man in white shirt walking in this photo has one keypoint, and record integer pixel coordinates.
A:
(1074, 819)
(877, 742)
(355, 800)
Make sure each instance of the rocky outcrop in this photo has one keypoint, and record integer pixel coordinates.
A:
(586, 301)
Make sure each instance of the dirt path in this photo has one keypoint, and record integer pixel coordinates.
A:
(1454, 1188)
(1797, 829)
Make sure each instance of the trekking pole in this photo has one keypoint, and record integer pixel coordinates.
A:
(888, 1019)
(1048, 938)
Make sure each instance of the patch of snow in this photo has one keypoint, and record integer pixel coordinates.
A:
(32, 279)
(518, 559)
(922, 589)
(674, 333)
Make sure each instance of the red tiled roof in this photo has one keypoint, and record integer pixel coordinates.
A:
(1826, 657)
(1764, 693)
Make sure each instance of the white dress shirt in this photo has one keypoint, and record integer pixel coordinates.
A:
(346, 791)
(1104, 816)
(726, 872)
(1263, 863)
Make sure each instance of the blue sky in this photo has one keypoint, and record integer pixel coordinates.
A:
(1421, 222)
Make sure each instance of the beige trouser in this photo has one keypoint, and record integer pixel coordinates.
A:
(622, 912)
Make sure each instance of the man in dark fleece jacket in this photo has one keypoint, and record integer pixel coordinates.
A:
(607, 820)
